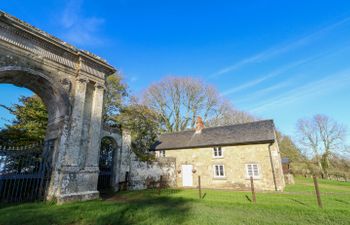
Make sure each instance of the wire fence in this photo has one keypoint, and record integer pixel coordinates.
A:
(310, 196)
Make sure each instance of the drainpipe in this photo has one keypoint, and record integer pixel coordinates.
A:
(272, 167)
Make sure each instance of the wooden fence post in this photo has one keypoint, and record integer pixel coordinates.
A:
(317, 190)
(199, 187)
(252, 188)
(160, 184)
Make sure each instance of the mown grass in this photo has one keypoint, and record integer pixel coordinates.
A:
(296, 206)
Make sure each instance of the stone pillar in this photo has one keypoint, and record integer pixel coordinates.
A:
(125, 155)
(116, 161)
(76, 183)
(92, 158)
(73, 150)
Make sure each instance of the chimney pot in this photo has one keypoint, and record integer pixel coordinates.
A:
(199, 125)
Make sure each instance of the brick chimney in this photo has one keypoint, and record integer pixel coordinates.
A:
(199, 125)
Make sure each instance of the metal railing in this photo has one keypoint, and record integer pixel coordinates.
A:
(25, 172)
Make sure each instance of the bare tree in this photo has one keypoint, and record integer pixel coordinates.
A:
(227, 115)
(179, 100)
(321, 137)
(347, 152)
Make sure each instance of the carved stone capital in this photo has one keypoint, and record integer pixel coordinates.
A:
(100, 86)
(82, 79)
(67, 84)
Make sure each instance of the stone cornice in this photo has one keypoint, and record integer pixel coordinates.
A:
(23, 35)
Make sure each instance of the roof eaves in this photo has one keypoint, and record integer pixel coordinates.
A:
(211, 145)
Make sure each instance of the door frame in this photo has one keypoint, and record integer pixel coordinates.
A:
(190, 175)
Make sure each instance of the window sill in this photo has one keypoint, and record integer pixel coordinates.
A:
(219, 178)
(254, 178)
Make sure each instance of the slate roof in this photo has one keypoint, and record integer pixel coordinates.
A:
(239, 134)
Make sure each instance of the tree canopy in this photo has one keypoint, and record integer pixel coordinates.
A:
(29, 124)
(115, 99)
(289, 149)
(180, 100)
(321, 138)
(143, 124)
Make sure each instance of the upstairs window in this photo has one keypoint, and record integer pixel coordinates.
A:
(219, 171)
(217, 152)
(162, 153)
(253, 171)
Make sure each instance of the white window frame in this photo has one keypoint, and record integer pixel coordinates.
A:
(162, 153)
(254, 175)
(217, 150)
(223, 171)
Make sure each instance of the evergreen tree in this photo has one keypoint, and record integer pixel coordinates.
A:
(29, 124)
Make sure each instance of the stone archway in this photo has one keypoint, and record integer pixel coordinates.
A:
(71, 83)
(53, 95)
(119, 147)
(108, 151)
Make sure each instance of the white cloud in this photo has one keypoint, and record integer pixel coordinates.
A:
(262, 92)
(79, 29)
(312, 89)
(269, 53)
(266, 77)
(286, 68)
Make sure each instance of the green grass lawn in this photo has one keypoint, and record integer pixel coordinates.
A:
(295, 206)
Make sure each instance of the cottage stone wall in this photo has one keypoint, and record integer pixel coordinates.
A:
(234, 160)
(140, 174)
(144, 173)
(277, 166)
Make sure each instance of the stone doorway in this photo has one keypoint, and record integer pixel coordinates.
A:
(108, 149)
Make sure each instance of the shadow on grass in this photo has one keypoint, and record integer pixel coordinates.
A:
(247, 197)
(299, 202)
(150, 211)
(166, 191)
(6, 205)
(205, 194)
(144, 210)
(342, 201)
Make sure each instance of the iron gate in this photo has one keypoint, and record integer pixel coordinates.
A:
(105, 164)
(25, 172)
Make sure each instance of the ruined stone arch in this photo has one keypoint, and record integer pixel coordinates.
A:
(108, 153)
(55, 98)
(116, 137)
(71, 82)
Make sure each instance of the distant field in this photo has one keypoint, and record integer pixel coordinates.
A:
(297, 205)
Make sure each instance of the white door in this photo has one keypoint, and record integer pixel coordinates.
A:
(187, 180)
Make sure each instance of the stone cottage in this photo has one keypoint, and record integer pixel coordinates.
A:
(225, 156)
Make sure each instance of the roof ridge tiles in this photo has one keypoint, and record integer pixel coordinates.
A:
(262, 131)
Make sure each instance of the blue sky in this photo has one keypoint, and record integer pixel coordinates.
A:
(283, 60)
